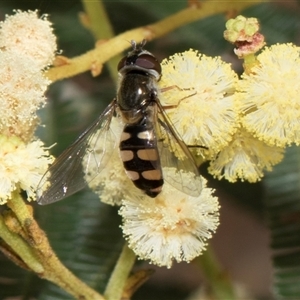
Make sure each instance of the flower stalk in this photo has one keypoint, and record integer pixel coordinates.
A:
(34, 249)
(100, 26)
(119, 276)
(119, 43)
(20, 247)
(220, 284)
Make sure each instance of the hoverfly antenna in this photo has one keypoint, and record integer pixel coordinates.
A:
(143, 43)
(139, 46)
(133, 44)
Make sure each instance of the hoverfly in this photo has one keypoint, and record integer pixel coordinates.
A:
(148, 142)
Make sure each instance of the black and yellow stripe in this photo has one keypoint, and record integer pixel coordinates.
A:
(139, 153)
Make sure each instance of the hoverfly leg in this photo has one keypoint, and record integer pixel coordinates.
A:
(168, 88)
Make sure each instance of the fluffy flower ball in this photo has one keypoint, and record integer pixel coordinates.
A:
(245, 158)
(27, 46)
(171, 227)
(21, 166)
(29, 36)
(198, 93)
(22, 88)
(269, 96)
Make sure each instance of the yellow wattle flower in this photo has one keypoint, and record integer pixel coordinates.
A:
(269, 97)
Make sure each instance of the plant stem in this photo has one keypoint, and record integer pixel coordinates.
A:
(250, 61)
(220, 284)
(116, 283)
(53, 270)
(115, 45)
(20, 247)
(101, 28)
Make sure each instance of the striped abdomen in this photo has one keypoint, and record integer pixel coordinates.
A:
(140, 157)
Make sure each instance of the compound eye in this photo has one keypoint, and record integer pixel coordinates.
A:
(147, 61)
(122, 63)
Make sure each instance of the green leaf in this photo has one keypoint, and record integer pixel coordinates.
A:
(283, 209)
(16, 282)
(11, 278)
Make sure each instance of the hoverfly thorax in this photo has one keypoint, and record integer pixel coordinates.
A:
(139, 72)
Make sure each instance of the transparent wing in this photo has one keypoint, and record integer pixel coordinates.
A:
(179, 168)
(81, 162)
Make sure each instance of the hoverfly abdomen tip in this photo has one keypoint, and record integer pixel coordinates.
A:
(153, 192)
